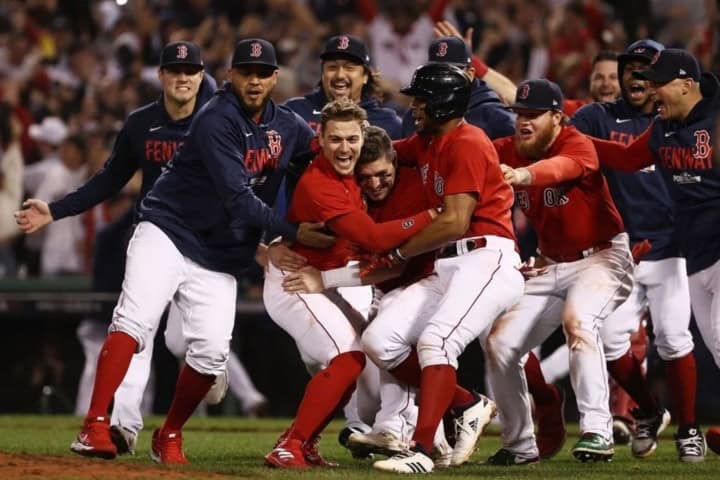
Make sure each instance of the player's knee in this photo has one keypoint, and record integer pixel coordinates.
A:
(208, 358)
(133, 329)
(671, 347)
(433, 349)
(616, 349)
(499, 354)
(376, 347)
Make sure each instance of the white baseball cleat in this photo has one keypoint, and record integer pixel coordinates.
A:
(407, 461)
(384, 443)
(219, 388)
(124, 439)
(469, 425)
(442, 452)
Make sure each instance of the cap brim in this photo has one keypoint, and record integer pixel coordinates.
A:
(457, 64)
(198, 65)
(626, 57)
(525, 106)
(267, 64)
(355, 58)
(653, 76)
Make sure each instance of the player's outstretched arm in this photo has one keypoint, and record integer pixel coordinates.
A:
(634, 156)
(313, 235)
(311, 280)
(284, 258)
(34, 215)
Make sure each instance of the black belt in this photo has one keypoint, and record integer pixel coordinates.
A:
(461, 247)
(573, 257)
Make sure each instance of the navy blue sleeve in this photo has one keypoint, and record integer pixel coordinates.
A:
(585, 119)
(408, 124)
(501, 123)
(393, 126)
(116, 172)
(222, 152)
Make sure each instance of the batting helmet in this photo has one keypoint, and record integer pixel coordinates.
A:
(445, 87)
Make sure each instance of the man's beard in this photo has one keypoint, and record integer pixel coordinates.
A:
(535, 149)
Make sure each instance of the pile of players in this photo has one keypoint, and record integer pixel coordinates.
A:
(427, 220)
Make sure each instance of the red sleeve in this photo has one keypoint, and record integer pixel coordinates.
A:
(360, 229)
(437, 7)
(572, 106)
(634, 156)
(367, 9)
(480, 67)
(554, 170)
(405, 148)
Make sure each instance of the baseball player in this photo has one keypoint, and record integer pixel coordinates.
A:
(680, 145)
(475, 281)
(346, 72)
(199, 227)
(485, 110)
(661, 282)
(325, 332)
(588, 272)
(147, 141)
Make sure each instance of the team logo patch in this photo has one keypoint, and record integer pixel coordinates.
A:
(522, 199)
(343, 43)
(182, 52)
(275, 143)
(439, 183)
(255, 49)
(639, 50)
(524, 92)
(408, 223)
(442, 49)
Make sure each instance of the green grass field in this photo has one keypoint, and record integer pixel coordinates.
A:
(222, 447)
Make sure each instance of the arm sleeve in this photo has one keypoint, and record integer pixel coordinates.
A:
(554, 170)
(222, 152)
(360, 229)
(436, 10)
(584, 120)
(116, 172)
(480, 67)
(404, 149)
(631, 157)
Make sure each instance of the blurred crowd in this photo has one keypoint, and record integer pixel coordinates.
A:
(72, 70)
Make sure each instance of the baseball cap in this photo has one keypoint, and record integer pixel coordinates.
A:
(645, 49)
(449, 50)
(348, 46)
(538, 94)
(672, 63)
(254, 51)
(51, 130)
(181, 53)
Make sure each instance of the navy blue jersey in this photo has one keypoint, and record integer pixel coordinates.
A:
(309, 107)
(485, 111)
(642, 197)
(147, 140)
(684, 153)
(213, 199)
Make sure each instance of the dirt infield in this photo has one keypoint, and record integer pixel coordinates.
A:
(24, 466)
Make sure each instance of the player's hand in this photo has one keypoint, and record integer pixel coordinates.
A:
(312, 235)
(534, 267)
(640, 249)
(34, 215)
(516, 176)
(385, 262)
(447, 29)
(306, 280)
(285, 259)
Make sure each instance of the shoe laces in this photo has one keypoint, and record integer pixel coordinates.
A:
(645, 426)
(693, 445)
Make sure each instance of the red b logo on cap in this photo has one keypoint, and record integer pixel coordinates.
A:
(182, 51)
(524, 92)
(442, 49)
(255, 49)
(343, 43)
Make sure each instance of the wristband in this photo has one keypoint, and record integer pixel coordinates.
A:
(347, 276)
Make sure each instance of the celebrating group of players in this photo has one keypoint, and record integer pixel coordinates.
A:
(426, 220)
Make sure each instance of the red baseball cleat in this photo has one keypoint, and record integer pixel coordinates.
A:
(167, 448)
(712, 437)
(551, 425)
(311, 452)
(287, 454)
(94, 439)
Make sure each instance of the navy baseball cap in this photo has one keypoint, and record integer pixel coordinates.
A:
(348, 46)
(645, 49)
(672, 63)
(452, 50)
(254, 51)
(538, 94)
(181, 53)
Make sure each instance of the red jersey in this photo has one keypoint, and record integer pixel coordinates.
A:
(407, 198)
(463, 161)
(572, 106)
(571, 215)
(323, 195)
